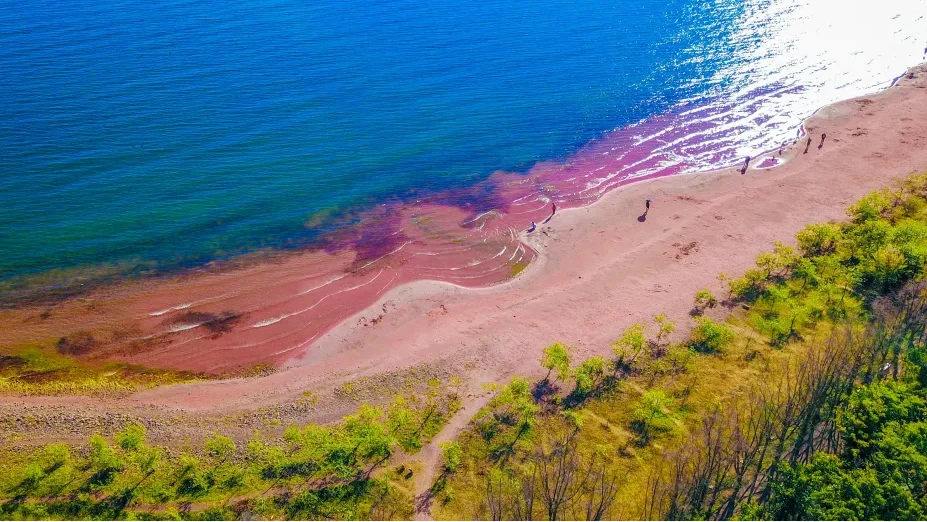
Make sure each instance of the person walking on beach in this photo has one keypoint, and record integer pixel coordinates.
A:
(647, 205)
(823, 136)
(746, 164)
(553, 210)
(808, 145)
(532, 227)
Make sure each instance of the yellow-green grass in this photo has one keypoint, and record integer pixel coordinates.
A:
(39, 370)
(605, 421)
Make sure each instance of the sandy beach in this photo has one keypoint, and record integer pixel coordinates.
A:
(599, 269)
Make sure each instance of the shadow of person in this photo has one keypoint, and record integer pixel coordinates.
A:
(642, 217)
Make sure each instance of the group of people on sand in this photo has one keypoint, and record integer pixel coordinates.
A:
(553, 210)
(743, 170)
(782, 147)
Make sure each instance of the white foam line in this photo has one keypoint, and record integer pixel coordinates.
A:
(187, 341)
(529, 211)
(384, 256)
(183, 327)
(314, 337)
(444, 253)
(298, 346)
(477, 217)
(471, 264)
(303, 326)
(274, 320)
(171, 309)
(314, 288)
(184, 306)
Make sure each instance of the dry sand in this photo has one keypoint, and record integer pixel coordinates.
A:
(600, 268)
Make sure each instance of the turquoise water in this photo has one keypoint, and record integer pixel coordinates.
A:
(165, 134)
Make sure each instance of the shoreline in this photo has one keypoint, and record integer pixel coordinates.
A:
(270, 307)
(600, 269)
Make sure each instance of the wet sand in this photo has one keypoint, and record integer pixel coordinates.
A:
(599, 268)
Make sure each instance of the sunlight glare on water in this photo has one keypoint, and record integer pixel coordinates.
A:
(791, 57)
(139, 135)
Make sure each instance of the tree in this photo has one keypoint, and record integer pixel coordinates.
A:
(556, 357)
(818, 239)
(104, 462)
(508, 419)
(589, 375)
(220, 447)
(403, 424)
(665, 327)
(629, 348)
(650, 413)
(826, 490)
(870, 410)
(704, 299)
(710, 337)
(451, 454)
(131, 437)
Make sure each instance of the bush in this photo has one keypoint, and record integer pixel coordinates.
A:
(556, 357)
(704, 299)
(710, 337)
(630, 350)
(589, 375)
(452, 454)
(650, 414)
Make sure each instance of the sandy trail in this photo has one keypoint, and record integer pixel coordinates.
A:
(600, 268)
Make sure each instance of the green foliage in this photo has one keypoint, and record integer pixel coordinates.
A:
(630, 353)
(705, 299)
(650, 414)
(825, 490)
(40, 370)
(871, 207)
(710, 337)
(451, 454)
(132, 437)
(819, 239)
(415, 420)
(881, 473)
(665, 327)
(314, 472)
(220, 446)
(873, 408)
(589, 375)
(557, 357)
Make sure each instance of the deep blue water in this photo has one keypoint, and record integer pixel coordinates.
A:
(175, 132)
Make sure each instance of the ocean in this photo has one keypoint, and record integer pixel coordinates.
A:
(140, 136)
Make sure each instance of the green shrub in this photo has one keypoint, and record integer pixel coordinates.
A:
(710, 337)
(556, 357)
(704, 299)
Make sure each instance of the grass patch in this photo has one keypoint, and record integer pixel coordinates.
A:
(518, 267)
(37, 370)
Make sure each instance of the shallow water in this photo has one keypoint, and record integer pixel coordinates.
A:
(143, 135)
